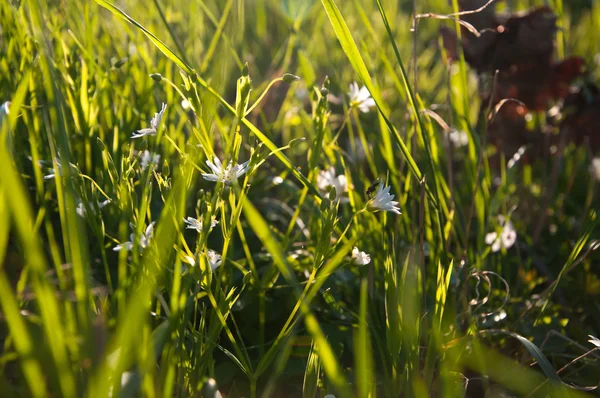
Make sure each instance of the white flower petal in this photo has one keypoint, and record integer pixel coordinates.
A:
(383, 201)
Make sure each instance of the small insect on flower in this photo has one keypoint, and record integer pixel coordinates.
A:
(154, 123)
(383, 200)
(360, 98)
(193, 223)
(144, 240)
(372, 187)
(506, 238)
(225, 175)
(328, 178)
(360, 258)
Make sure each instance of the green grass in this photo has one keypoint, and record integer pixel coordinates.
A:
(287, 312)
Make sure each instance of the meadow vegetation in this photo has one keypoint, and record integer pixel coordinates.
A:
(285, 198)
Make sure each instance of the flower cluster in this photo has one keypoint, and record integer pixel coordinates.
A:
(212, 257)
(193, 223)
(328, 178)
(360, 258)
(144, 239)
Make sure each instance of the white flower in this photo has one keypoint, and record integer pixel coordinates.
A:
(58, 170)
(595, 168)
(148, 158)
(193, 223)
(5, 108)
(52, 174)
(228, 175)
(360, 258)
(507, 237)
(458, 138)
(361, 98)
(594, 340)
(185, 104)
(81, 211)
(214, 259)
(144, 239)
(329, 396)
(327, 178)
(154, 123)
(383, 200)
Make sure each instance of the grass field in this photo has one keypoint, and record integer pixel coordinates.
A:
(195, 201)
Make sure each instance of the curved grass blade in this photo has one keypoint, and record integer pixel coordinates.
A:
(536, 353)
(157, 42)
(351, 50)
(330, 364)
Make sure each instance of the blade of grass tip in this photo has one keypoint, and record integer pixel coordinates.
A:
(328, 359)
(188, 69)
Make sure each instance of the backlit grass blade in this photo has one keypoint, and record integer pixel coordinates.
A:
(518, 378)
(311, 374)
(173, 57)
(362, 347)
(19, 206)
(329, 361)
(157, 42)
(23, 341)
(351, 50)
(592, 223)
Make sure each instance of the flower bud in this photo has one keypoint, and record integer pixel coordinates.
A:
(289, 78)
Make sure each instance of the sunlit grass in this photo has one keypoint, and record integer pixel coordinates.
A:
(242, 240)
